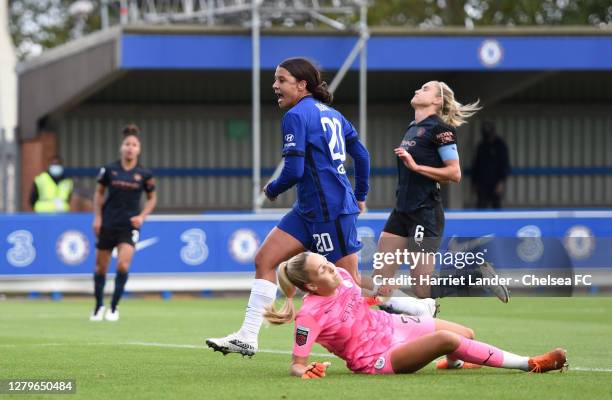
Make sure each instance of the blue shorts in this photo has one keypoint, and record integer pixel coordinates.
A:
(333, 239)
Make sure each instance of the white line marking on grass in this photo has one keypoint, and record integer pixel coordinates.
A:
(590, 369)
(191, 346)
(199, 347)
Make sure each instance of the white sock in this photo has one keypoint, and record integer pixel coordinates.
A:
(454, 363)
(407, 305)
(514, 361)
(263, 293)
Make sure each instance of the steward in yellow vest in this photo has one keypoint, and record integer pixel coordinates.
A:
(51, 190)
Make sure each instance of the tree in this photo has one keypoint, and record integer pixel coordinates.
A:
(470, 13)
(37, 25)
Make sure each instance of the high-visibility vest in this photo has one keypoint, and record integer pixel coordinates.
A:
(52, 197)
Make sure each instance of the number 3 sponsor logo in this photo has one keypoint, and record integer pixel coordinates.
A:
(195, 252)
(23, 252)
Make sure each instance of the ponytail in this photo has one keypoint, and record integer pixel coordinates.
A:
(305, 70)
(287, 312)
(291, 274)
(322, 93)
(452, 112)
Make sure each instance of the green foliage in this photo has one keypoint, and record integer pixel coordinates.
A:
(436, 13)
(37, 25)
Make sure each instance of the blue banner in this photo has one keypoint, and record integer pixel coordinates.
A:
(385, 53)
(33, 244)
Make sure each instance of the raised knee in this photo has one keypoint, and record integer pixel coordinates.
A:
(448, 341)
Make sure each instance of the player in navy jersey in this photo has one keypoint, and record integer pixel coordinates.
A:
(426, 157)
(118, 218)
(316, 140)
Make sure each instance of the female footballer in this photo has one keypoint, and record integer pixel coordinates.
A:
(427, 156)
(335, 315)
(118, 218)
(316, 140)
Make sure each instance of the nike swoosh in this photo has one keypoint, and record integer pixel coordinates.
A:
(143, 244)
(454, 245)
(146, 243)
(490, 354)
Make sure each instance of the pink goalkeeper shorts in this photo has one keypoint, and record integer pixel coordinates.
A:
(405, 329)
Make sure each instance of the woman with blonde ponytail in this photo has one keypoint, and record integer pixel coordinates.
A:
(336, 315)
(287, 313)
(427, 157)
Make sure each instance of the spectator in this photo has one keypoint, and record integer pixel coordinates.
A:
(51, 190)
(490, 169)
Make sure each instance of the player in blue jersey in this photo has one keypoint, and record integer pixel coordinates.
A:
(119, 217)
(427, 157)
(316, 141)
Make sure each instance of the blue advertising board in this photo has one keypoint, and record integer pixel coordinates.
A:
(64, 244)
(385, 53)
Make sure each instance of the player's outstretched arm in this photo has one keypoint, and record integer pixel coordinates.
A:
(301, 368)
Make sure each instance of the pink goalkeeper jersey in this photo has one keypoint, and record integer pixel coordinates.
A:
(345, 325)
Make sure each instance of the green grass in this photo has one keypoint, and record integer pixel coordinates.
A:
(43, 339)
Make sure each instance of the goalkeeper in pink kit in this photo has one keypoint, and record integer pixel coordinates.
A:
(335, 315)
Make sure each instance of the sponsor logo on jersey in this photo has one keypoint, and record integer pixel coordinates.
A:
(289, 137)
(301, 335)
(445, 137)
(72, 247)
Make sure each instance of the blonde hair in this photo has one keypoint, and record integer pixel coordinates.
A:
(452, 112)
(291, 274)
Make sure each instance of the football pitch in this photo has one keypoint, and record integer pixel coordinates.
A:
(156, 351)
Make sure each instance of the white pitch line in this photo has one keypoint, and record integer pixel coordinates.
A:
(590, 369)
(198, 347)
(191, 346)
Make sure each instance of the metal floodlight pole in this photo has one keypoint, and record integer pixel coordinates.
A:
(123, 12)
(360, 49)
(363, 69)
(347, 64)
(256, 128)
(104, 14)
